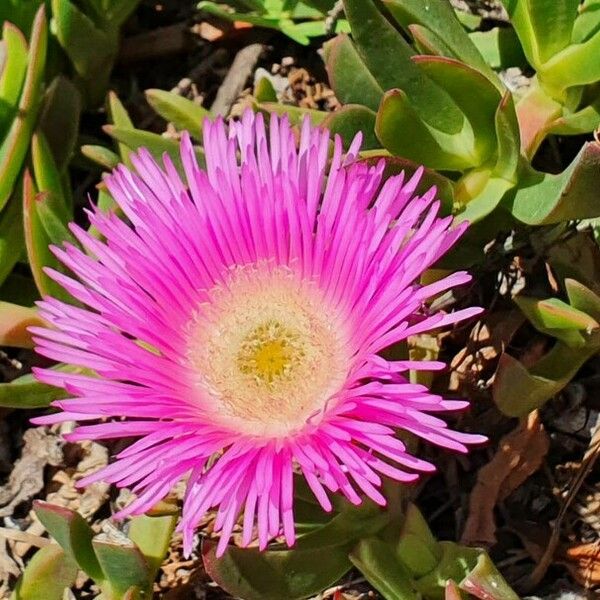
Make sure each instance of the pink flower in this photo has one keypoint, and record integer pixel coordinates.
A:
(235, 324)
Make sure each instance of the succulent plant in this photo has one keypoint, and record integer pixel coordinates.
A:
(299, 20)
(122, 567)
(436, 100)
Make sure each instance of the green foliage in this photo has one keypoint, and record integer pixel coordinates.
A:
(122, 568)
(395, 551)
(299, 20)
(439, 102)
(517, 390)
(46, 576)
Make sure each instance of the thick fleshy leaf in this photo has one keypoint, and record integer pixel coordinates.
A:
(276, 574)
(47, 177)
(73, 534)
(485, 582)
(472, 568)
(90, 49)
(439, 17)
(156, 144)
(518, 390)
(586, 23)
(101, 155)
(28, 392)
(46, 576)
(14, 321)
(575, 65)
(582, 121)
(556, 318)
(417, 549)
(12, 73)
(19, 289)
(474, 94)
(59, 119)
(11, 233)
(37, 240)
(429, 42)
(318, 559)
(508, 139)
(183, 113)
(387, 56)
(402, 132)
(542, 199)
(122, 563)
(350, 120)
(376, 560)
(152, 535)
(349, 77)
(583, 299)
(544, 26)
(264, 91)
(15, 144)
(479, 192)
(119, 117)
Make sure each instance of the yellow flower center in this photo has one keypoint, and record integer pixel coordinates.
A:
(267, 352)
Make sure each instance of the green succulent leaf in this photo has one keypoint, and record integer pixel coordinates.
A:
(401, 131)
(119, 117)
(350, 120)
(264, 91)
(388, 57)
(156, 144)
(49, 572)
(183, 113)
(275, 574)
(417, 549)
(73, 534)
(587, 23)
(429, 42)
(318, 559)
(518, 390)
(576, 65)
(376, 560)
(508, 139)
(48, 179)
(543, 198)
(475, 96)
(544, 27)
(91, 49)
(37, 239)
(14, 146)
(349, 77)
(59, 119)
(472, 568)
(583, 299)
(27, 392)
(438, 16)
(152, 535)
(558, 319)
(12, 241)
(101, 155)
(581, 121)
(122, 563)
(12, 73)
